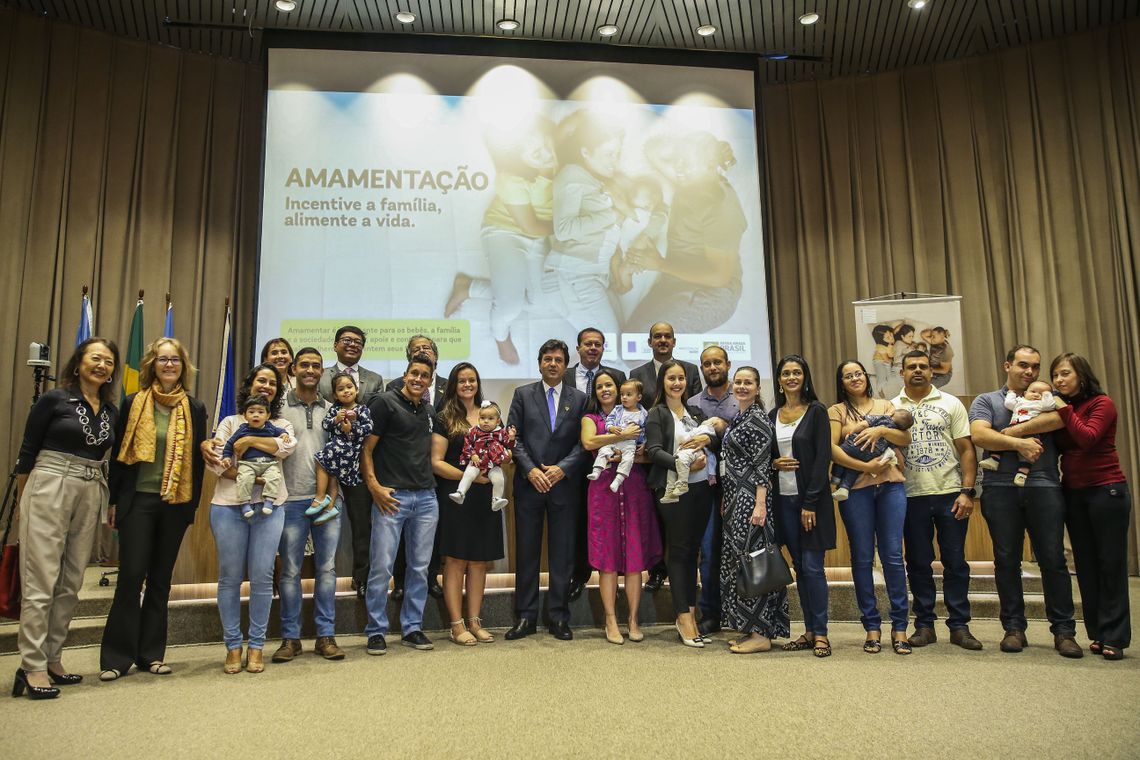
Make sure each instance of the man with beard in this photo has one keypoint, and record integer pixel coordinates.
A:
(716, 400)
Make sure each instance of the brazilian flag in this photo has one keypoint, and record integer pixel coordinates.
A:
(135, 347)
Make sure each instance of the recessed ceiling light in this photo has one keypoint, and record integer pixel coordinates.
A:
(508, 24)
(707, 30)
(285, 6)
(809, 18)
(405, 17)
(607, 30)
(916, 4)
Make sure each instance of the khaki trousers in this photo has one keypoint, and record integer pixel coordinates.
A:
(59, 511)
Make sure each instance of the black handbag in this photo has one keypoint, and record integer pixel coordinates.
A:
(761, 571)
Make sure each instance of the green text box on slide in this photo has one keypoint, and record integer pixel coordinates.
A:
(386, 338)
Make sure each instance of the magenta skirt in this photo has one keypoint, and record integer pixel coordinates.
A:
(622, 531)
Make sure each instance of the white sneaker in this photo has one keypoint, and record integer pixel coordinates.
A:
(457, 497)
(990, 464)
(840, 494)
(498, 504)
(594, 474)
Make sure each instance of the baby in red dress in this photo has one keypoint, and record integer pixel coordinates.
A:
(485, 447)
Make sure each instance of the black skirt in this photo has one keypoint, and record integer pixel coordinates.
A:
(468, 531)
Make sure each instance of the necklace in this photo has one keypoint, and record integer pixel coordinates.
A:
(85, 423)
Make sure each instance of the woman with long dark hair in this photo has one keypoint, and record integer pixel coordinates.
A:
(875, 508)
(61, 489)
(471, 533)
(279, 353)
(156, 482)
(805, 517)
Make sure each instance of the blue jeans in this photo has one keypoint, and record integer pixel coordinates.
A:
(924, 514)
(326, 536)
(709, 566)
(416, 517)
(875, 514)
(811, 583)
(245, 546)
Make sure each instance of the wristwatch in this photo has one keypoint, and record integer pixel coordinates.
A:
(971, 492)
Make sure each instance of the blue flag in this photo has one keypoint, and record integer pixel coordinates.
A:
(168, 328)
(85, 322)
(227, 403)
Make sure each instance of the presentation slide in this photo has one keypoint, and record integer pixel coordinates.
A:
(494, 203)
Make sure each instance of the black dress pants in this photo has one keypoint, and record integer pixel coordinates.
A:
(560, 512)
(149, 539)
(358, 504)
(1097, 519)
(685, 522)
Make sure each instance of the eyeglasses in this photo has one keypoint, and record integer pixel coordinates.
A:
(173, 361)
(351, 341)
(854, 375)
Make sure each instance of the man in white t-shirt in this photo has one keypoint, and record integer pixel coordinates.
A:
(941, 467)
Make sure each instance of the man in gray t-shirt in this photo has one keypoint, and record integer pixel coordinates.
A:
(1037, 508)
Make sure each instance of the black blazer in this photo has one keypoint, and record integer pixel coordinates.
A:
(811, 445)
(648, 377)
(536, 444)
(440, 387)
(124, 477)
(659, 426)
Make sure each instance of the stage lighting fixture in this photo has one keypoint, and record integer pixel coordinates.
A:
(285, 6)
(508, 24)
(707, 30)
(405, 17)
(607, 30)
(809, 18)
(916, 4)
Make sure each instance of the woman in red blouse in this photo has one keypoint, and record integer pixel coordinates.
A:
(1097, 503)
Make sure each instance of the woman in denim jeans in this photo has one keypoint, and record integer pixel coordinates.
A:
(247, 544)
(875, 511)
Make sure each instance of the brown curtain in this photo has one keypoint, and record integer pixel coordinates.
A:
(1011, 179)
(122, 166)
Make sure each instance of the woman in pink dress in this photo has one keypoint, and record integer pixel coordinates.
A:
(622, 534)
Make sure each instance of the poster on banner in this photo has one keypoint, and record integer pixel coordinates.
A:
(887, 327)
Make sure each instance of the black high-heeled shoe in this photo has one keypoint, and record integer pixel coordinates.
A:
(35, 692)
(64, 679)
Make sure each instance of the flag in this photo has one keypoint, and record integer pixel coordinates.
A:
(86, 321)
(134, 353)
(226, 404)
(168, 328)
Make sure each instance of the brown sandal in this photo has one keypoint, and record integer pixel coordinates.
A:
(821, 649)
(482, 635)
(465, 637)
(799, 645)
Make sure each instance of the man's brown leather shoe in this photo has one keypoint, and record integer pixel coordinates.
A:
(289, 649)
(1067, 646)
(1014, 641)
(923, 637)
(963, 638)
(326, 647)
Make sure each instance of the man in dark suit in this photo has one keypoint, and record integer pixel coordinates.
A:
(349, 345)
(662, 340)
(591, 346)
(420, 344)
(549, 462)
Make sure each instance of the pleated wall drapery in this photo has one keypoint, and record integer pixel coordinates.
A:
(1010, 179)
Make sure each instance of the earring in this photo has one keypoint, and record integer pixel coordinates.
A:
(75, 372)
(109, 379)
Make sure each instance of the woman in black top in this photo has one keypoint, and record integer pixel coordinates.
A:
(61, 484)
(156, 481)
(685, 520)
(805, 517)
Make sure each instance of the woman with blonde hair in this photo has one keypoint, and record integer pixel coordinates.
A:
(156, 481)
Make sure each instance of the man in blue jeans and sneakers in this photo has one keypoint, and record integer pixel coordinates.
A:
(1037, 508)
(396, 466)
(941, 467)
(305, 408)
(716, 400)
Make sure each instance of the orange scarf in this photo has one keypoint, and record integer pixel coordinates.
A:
(140, 441)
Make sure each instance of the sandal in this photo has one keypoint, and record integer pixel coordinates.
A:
(873, 646)
(110, 674)
(800, 644)
(901, 646)
(748, 645)
(821, 649)
(482, 635)
(465, 638)
(159, 668)
(1109, 652)
(1096, 647)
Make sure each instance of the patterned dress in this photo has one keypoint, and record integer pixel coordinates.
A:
(747, 455)
(341, 455)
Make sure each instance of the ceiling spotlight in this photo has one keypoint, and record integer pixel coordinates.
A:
(405, 17)
(916, 4)
(285, 6)
(608, 30)
(809, 18)
(508, 24)
(706, 30)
